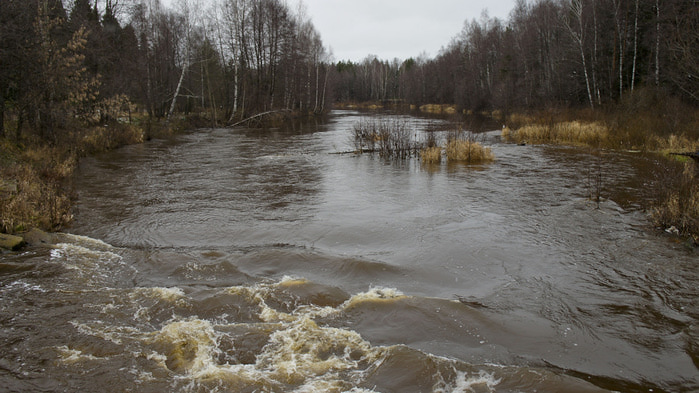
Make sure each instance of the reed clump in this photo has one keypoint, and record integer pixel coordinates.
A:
(438, 109)
(431, 155)
(468, 151)
(99, 139)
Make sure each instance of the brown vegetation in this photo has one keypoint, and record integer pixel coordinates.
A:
(573, 133)
(36, 190)
(467, 150)
(431, 155)
(647, 120)
(678, 205)
(389, 137)
(36, 177)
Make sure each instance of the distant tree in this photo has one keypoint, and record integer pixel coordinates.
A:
(61, 84)
(682, 40)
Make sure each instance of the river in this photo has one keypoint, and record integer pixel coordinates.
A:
(259, 260)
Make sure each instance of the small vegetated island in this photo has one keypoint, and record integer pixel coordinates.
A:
(82, 77)
(394, 138)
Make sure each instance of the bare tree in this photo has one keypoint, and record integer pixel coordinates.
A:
(577, 32)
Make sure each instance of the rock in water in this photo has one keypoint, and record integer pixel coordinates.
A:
(36, 237)
(11, 242)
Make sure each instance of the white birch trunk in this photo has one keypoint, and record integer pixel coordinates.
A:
(635, 47)
(177, 91)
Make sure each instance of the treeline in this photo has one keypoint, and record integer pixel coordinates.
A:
(79, 63)
(229, 59)
(549, 53)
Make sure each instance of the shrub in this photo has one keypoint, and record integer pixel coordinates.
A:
(390, 137)
(111, 136)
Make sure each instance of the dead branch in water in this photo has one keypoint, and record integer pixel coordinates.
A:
(259, 115)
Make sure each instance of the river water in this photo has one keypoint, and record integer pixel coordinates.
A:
(252, 260)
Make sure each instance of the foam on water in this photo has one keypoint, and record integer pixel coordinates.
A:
(70, 355)
(294, 351)
(187, 347)
(482, 382)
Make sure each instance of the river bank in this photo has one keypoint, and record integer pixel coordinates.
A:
(36, 176)
(36, 189)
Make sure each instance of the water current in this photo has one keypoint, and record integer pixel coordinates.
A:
(259, 260)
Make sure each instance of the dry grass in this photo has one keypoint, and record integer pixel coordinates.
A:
(431, 155)
(35, 179)
(438, 109)
(679, 207)
(99, 139)
(574, 133)
(37, 183)
(674, 143)
(469, 151)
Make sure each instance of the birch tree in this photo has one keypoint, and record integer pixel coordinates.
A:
(577, 31)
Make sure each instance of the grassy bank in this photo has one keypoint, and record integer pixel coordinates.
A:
(35, 175)
(646, 121)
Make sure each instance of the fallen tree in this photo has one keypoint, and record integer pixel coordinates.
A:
(259, 116)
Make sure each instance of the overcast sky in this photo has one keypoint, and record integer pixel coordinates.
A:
(390, 29)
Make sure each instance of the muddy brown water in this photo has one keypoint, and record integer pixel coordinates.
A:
(259, 261)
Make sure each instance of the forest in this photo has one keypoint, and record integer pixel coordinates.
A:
(90, 60)
(549, 53)
(84, 75)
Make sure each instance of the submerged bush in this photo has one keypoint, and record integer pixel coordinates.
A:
(390, 137)
(394, 139)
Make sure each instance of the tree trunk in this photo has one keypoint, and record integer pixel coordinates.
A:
(2, 115)
(594, 56)
(325, 87)
(657, 42)
(20, 123)
(177, 91)
(315, 107)
(635, 47)
(577, 9)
